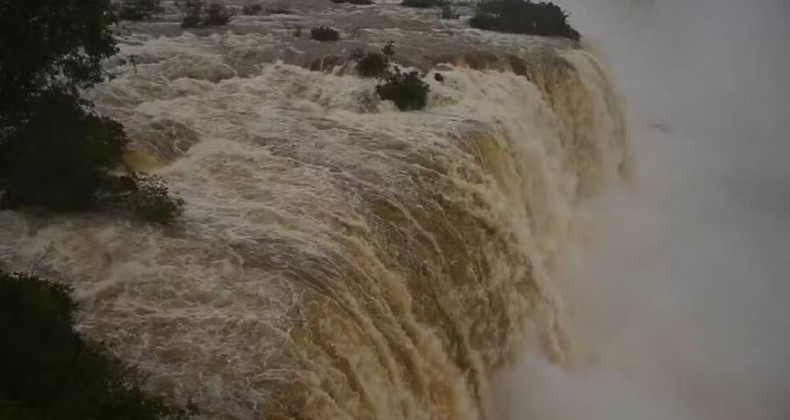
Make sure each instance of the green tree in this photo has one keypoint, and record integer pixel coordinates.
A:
(138, 9)
(50, 46)
(523, 17)
(49, 372)
(61, 157)
(55, 152)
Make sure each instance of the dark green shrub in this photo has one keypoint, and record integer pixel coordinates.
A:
(149, 199)
(66, 159)
(50, 45)
(55, 152)
(192, 12)
(374, 64)
(61, 158)
(139, 9)
(49, 372)
(425, 4)
(252, 9)
(195, 13)
(523, 17)
(191, 21)
(324, 33)
(447, 10)
(217, 14)
(407, 90)
(279, 9)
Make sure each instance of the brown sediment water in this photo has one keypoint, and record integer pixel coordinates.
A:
(338, 258)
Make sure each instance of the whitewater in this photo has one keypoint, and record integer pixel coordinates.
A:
(339, 258)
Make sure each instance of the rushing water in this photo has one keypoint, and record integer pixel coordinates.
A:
(338, 258)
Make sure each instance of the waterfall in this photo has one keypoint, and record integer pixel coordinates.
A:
(338, 259)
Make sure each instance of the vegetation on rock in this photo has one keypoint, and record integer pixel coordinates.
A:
(252, 9)
(49, 372)
(217, 14)
(62, 52)
(196, 13)
(424, 4)
(139, 9)
(150, 200)
(523, 17)
(374, 64)
(447, 10)
(55, 151)
(407, 90)
(324, 33)
(62, 157)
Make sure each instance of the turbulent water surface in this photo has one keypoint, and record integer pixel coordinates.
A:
(338, 258)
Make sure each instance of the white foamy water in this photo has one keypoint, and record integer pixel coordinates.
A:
(338, 258)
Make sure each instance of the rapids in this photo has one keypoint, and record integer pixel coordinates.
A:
(338, 258)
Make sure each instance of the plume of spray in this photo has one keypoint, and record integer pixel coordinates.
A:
(680, 303)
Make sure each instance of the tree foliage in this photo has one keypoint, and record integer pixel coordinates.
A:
(55, 152)
(252, 8)
(49, 372)
(61, 158)
(324, 33)
(217, 14)
(423, 4)
(139, 9)
(447, 10)
(523, 17)
(50, 45)
(196, 13)
(374, 64)
(408, 90)
(150, 200)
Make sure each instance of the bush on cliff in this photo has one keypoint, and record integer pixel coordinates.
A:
(49, 372)
(50, 46)
(323, 33)
(217, 14)
(191, 12)
(407, 90)
(374, 64)
(61, 158)
(139, 9)
(447, 10)
(523, 17)
(423, 4)
(196, 13)
(150, 200)
(252, 9)
(55, 152)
